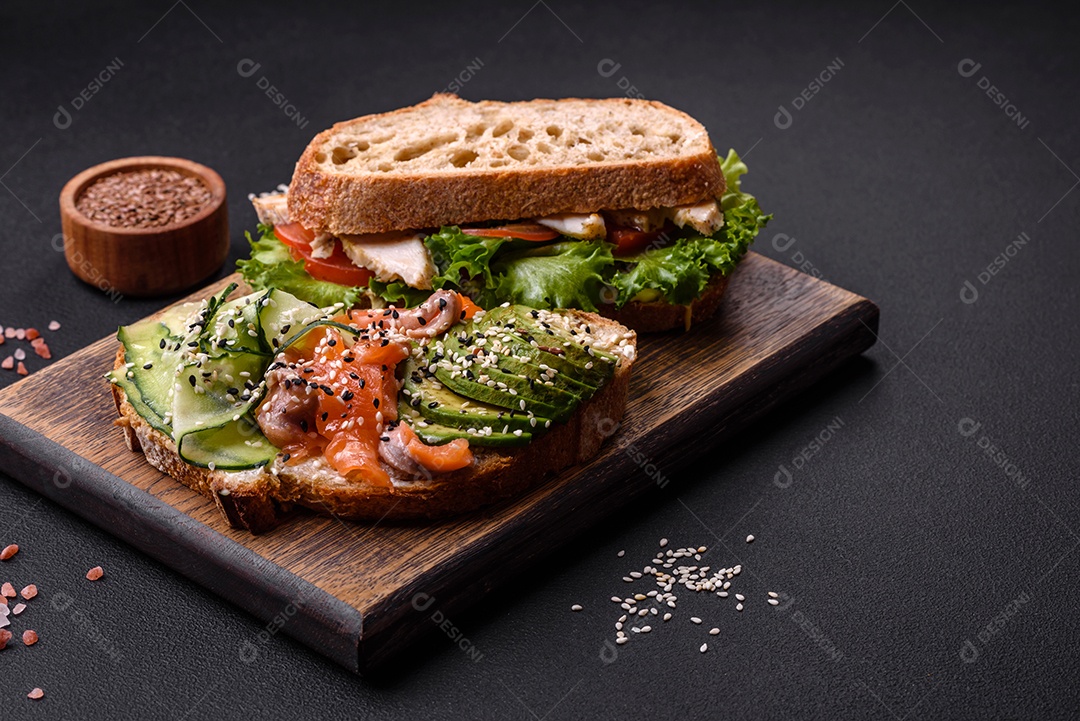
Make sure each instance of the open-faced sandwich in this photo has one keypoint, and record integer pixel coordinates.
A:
(265, 402)
(615, 206)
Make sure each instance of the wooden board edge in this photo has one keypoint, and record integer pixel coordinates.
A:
(286, 602)
(858, 328)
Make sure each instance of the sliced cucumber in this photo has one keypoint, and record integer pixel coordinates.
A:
(234, 446)
(236, 327)
(150, 364)
(213, 392)
(136, 401)
(281, 314)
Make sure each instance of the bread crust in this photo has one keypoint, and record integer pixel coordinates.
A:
(660, 315)
(375, 203)
(259, 500)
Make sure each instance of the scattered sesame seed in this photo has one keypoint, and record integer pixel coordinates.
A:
(54, 325)
(663, 542)
(576, 607)
(621, 640)
(667, 616)
(774, 602)
(739, 607)
(740, 597)
(714, 631)
(704, 647)
(695, 619)
(773, 594)
(621, 554)
(750, 538)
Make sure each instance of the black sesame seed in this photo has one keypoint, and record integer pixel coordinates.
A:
(384, 439)
(433, 404)
(327, 390)
(161, 345)
(362, 383)
(348, 359)
(191, 380)
(354, 377)
(375, 402)
(420, 319)
(285, 328)
(395, 315)
(303, 425)
(148, 366)
(442, 303)
(235, 391)
(347, 396)
(331, 342)
(286, 457)
(325, 415)
(309, 370)
(384, 343)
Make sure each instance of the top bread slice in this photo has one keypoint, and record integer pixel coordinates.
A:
(451, 161)
(257, 500)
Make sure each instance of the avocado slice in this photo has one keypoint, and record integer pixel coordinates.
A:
(510, 364)
(437, 404)
(560, 411)
(436, 434)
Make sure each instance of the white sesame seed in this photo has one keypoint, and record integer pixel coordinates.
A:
(714, 632)
(667, 616)
(774, 602)
(627, 579)
(702, 549)
(576, 607)
(643, 612)
(695, 619)
(640, 596)
(773, 594)
(750, 538)
(740, 597)
(618, 626)
(621, 640)
(616, 599)
(704, 647)
(739, 607)
(722, 594)
(622, 618)
(663, 542)
(621, 554)
(635, 574)
(646, 629)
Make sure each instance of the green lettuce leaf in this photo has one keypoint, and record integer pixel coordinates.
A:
(271, 266)
(461, 257)
(398, 293)
(560, 275)
(681, 271)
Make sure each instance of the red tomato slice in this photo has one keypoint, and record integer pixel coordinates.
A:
(294, 235)
(524, 231)
(335, 269)
(629, 241)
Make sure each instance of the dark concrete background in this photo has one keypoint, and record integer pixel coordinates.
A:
(928, 578)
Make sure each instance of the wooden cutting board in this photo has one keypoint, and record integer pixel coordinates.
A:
(361, 592)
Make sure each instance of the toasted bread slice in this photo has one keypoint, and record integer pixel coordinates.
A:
(258, 499)
(450, 161)
(656, 316)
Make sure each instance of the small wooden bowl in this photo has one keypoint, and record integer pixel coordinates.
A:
(145, 261)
